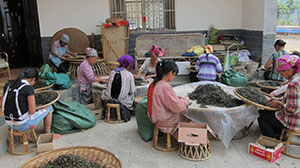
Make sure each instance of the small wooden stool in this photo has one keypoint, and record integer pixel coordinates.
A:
(155, 141)
(23, 138)
(290, 133)
(109, 106)
(195, 152)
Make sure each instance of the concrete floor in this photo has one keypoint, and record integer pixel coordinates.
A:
(124, 141)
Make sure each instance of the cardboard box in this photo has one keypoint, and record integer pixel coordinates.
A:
(266, 148)
(45, 142)
(193, 133)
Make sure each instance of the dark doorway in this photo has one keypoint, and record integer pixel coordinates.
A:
(20, 33)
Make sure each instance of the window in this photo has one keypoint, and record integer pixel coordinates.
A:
(145, 14)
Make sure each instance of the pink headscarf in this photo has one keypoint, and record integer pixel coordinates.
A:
(287, 62)
(157, 50)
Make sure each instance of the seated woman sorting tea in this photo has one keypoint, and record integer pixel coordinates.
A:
(58, 49)
(85, 78)
(149, 64)
(121, 87)
(288, 115)
(208, 65)
(18, 104)
(165, 108)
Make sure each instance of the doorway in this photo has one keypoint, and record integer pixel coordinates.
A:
(20, 33)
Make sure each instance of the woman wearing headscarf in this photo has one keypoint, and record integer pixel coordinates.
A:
(208, 65)
(149, 64)
(288, 116)
(270, 65)
(58, 49)
(85, 78)
(121, 87)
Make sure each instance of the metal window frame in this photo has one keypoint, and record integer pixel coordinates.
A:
(120, 8)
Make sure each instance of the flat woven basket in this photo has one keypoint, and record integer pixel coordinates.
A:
(44, 88)
(78, 39)
(58, 96)
(191, 69)
(259, 83)
(89, 153)
(253, 103)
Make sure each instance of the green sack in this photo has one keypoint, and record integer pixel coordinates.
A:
(232, 78)
(45, 68)
(145, 125)
(60, 80)
(69, 117)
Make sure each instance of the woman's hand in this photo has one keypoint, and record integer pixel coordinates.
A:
(74, 53)
(284, 83)
(147, 77)
(275, 102)
(272, 94)
(186, 98)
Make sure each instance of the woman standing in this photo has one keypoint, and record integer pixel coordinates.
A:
(270, 65)
(288, 115)
(165, 108)
(149, 64)
(121, 87)
(208, 65)
(18, 104)
(85, 78)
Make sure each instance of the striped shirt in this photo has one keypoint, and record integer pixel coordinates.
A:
(207, 67)
(289, 115)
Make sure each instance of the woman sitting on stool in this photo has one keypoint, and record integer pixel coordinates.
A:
(165, 108)
(85, 78)
(288, 115)
(18, 104)
(121, 87)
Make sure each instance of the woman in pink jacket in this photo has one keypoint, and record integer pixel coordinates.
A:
(165, 108)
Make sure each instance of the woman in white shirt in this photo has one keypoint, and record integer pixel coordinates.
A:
(149, 64)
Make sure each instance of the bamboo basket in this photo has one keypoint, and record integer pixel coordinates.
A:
(259, 83)
(44, 88)
(253, 103)
(89, 153)
(58, 96)
(195, 152)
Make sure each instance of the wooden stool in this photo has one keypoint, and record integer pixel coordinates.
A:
(109, 106)
(195, 152)
(23, 138)
(290, 133)
(155, 141)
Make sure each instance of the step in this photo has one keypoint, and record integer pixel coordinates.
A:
(3, 139)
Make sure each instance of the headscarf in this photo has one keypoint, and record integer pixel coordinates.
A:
(208, 49)
(126, 61)
(65, 38)
(287, 62)
(157, 50)
(91, 52)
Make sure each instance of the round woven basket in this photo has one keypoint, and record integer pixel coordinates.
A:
(191, 69)
(253, 103)
(89, 153)
(58, 96)
(78, 39)
(195, 152)
(44, 88)
(259, 83)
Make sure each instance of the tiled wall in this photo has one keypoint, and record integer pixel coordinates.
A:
(253, 40)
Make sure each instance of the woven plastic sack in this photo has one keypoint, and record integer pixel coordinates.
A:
(232, 78)
(145, 125)
(69, 117)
